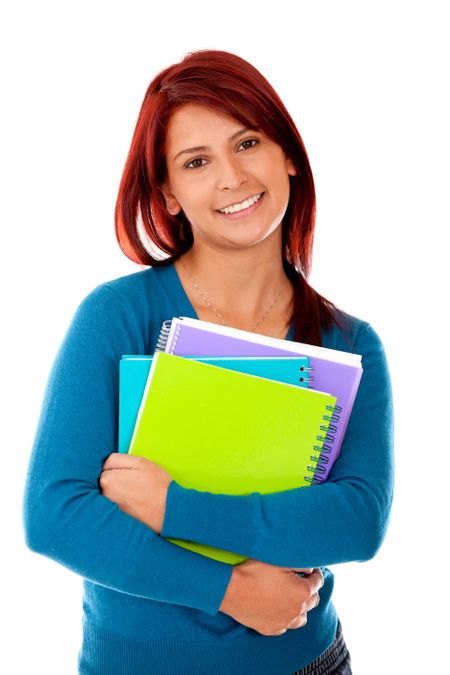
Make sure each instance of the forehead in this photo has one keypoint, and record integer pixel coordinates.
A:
(197, 123)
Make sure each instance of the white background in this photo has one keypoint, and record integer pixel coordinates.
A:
(366, 84)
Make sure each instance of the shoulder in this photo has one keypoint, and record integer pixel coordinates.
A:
(132, 306)
(110, 300)
(372, 412)
(122, 289)
(353, 334)
(358, 336)
(137, 294)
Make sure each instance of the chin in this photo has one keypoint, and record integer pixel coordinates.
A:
(248, 242)
(258, 235)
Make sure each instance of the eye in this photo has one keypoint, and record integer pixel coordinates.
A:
(198, 159)
(250, 140)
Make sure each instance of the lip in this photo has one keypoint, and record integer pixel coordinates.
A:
(244, 212)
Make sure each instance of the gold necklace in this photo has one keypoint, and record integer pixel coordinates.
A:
(202, 293)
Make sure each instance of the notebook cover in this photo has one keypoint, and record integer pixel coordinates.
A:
(134, 370)
(332, 370)
(227, 432)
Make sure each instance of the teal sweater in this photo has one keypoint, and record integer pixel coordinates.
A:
(153, 607)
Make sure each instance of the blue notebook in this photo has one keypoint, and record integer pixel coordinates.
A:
(134, 372)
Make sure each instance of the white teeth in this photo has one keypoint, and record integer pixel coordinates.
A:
(243, 205)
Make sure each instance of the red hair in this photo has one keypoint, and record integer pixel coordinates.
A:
(228, 84)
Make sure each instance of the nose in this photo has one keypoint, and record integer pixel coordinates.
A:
(230, 174)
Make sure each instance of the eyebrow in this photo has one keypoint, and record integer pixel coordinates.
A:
(201, 148)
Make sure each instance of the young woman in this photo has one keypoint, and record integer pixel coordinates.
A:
(217, 198)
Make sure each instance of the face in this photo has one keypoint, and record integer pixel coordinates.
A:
(233, 166)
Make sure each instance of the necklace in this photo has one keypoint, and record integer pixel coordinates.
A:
(202, 293)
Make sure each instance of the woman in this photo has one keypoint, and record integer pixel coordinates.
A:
(218, 179)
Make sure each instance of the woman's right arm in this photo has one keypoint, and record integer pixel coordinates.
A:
(66, 517)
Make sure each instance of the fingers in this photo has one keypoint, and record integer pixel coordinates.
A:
(114, 461)
(299, 621)
(303, 570)
(119, 460)
(314, 580)
(313, 577)
(311, 602)
(302, 618)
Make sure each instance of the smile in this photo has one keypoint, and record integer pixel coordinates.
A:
(246, 205)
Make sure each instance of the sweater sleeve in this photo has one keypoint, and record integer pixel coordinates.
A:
(341, 520)
(65, 515)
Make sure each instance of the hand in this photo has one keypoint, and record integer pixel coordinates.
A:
(271, 599)
(138, 486)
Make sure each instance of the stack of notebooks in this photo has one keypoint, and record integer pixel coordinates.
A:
(233, 412)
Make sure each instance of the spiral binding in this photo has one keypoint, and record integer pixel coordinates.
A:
(163, 335)
(306, 378)
(310, 378)
(321, 460)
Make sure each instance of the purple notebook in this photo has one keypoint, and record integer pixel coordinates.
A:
(332, 371)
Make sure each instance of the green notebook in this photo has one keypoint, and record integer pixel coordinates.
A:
(227, 432)
(134, 370)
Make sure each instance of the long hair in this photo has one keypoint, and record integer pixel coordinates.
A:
(228, 84)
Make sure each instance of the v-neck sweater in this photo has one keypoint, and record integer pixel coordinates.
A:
(150, 606)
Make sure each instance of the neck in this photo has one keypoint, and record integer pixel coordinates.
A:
(240, 287)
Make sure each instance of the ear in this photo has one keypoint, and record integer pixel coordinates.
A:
(172, 204)
(292, 171)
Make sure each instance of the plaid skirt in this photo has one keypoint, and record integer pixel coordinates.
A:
(334, 661)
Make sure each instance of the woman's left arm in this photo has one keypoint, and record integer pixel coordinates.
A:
(344, 519)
